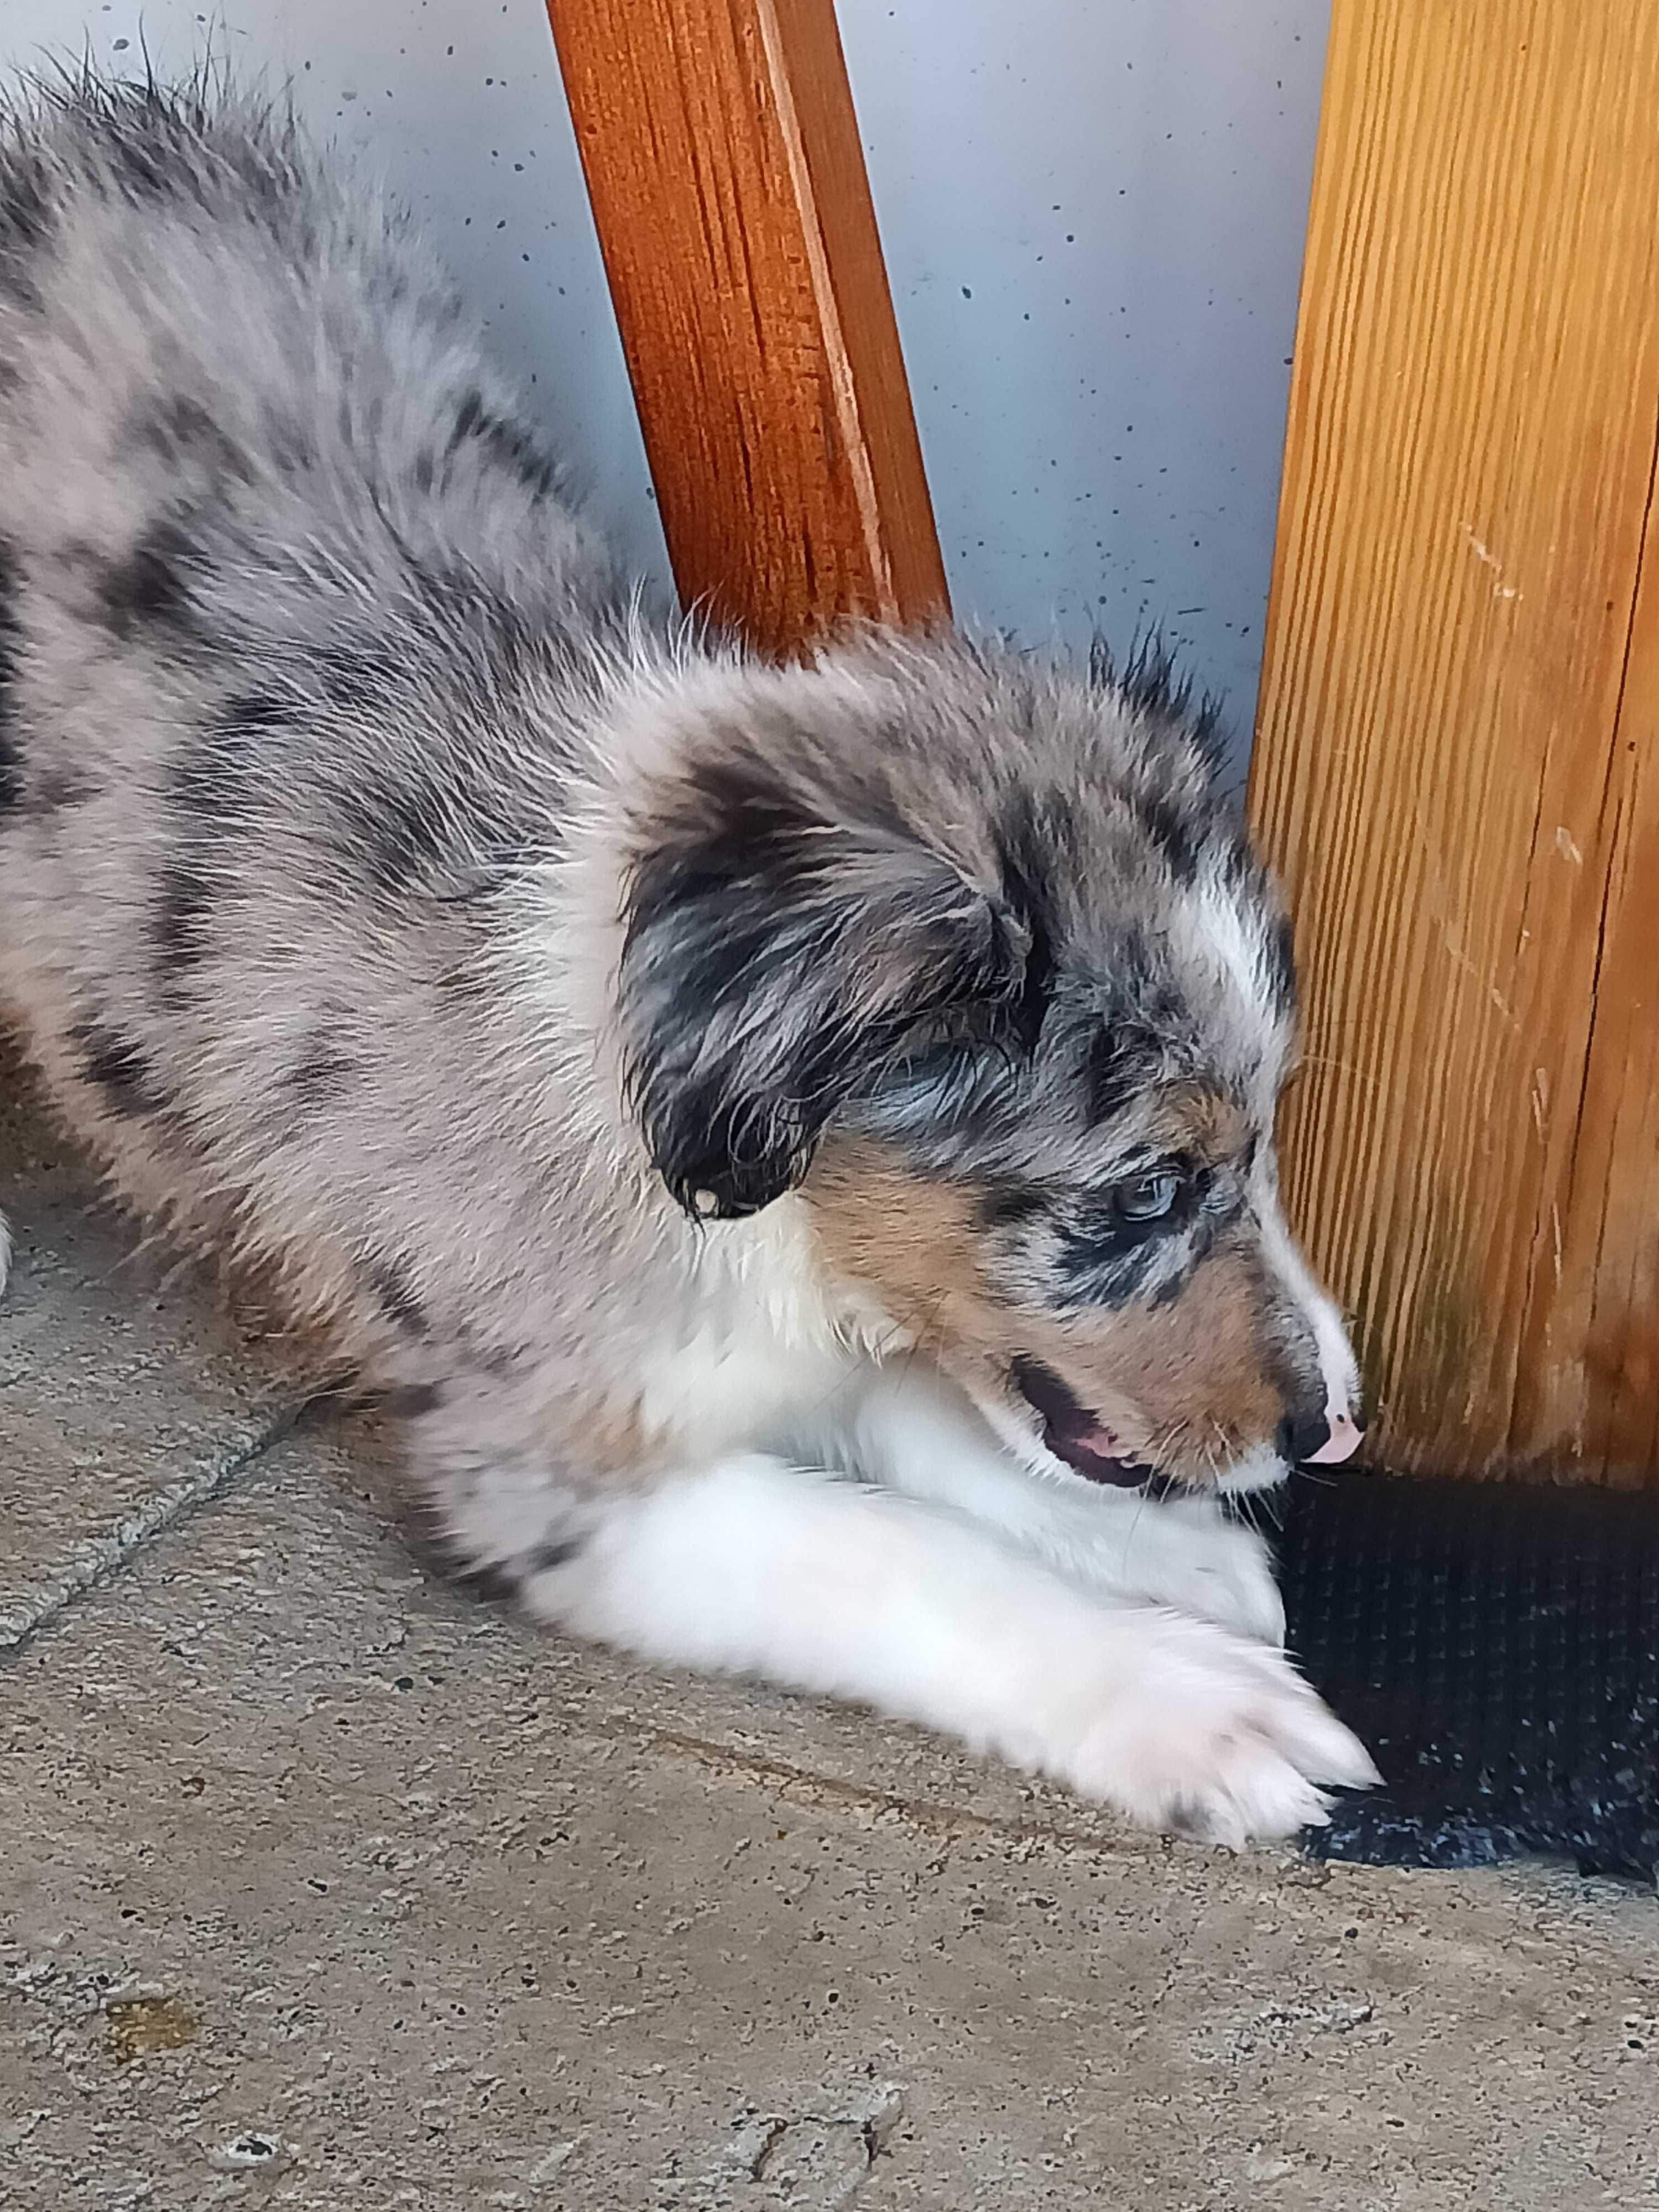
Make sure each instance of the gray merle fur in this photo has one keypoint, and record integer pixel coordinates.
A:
(462, 910)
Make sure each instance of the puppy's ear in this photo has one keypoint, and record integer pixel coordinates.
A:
(779, 955)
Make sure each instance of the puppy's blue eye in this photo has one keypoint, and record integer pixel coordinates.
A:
(1146, 1197)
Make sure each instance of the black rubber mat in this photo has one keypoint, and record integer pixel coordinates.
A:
(1498, 1648)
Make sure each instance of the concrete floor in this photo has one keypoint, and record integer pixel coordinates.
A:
(322, 1887)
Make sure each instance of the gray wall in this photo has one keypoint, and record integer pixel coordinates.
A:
(1093, 210)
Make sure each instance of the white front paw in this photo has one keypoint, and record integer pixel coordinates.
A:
(1182, 1553)
(1190, 1729)
(1220, 1571)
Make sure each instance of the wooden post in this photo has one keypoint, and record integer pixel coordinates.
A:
(723, 161)
(1457, 754)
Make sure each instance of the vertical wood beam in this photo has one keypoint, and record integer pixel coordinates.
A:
(723, 161)
(1457, 752)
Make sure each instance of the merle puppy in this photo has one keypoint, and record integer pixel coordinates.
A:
(795, 1143)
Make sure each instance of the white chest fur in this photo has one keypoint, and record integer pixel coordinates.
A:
(767, 1342)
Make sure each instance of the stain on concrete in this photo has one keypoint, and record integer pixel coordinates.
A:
(140, 2027)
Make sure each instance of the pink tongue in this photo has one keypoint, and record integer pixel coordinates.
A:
(1104, 1441)
(1342, 1443)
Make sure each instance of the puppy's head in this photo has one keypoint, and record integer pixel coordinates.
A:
(970, 954)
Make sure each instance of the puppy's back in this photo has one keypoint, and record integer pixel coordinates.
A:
(200, 322)
(298, 637)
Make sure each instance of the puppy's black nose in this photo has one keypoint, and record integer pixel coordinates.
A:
(1300, 1435)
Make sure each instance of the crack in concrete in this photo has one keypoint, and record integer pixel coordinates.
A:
(819, 2161)
(771, 2134)
(802, 1785)
(101, 1558)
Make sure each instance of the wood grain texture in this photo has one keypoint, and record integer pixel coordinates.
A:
(1457, 756)
(723, 162)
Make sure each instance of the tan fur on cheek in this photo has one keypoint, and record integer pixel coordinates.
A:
(917, 1245)
(1189, 1385)
(1202, 1376)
